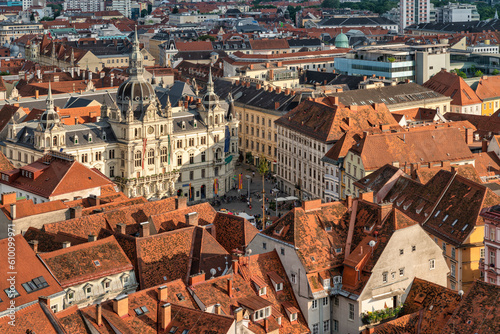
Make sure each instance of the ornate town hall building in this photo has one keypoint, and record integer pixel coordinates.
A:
(147, 148)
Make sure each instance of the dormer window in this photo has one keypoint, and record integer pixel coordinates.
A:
(262, 313)
(195, 124)
(262, 291)
(75, 140)
(90, 138)
(104, 136)
(183, 125)
(326, 283)
(293, 317)
(70, 296)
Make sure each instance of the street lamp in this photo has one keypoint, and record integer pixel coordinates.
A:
(276, 191)
(248, 178)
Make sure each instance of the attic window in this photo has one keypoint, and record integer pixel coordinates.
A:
(328, 228)
(180, 296)
(11, 293)
(75, 139)
(312, 258)
(183, 125)
(141, 310)
(465, 227)
(195, 124)
(90, 138)
(338, 250)
(35, 284)
(97, 263)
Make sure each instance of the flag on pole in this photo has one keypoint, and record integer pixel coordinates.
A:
(144, 142)
(240, 181)
(190, 191)
(216, 186)
(169, 150)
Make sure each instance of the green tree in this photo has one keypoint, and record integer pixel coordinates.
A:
(330, 4)
(176, 10)
(462, 74)
(293, 10)
(144, 12)
(205, 37)
(150, 8)
(495, 72)
(478, 73)
(263, 169)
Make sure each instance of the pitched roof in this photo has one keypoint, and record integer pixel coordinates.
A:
(424, 146)
(178, 254)
(28, 269)
(52, 176)
(452, 85)
(488, 87)
(5, 163)
(88, 261)
(233, 232)
(48, 242)
(171, 220)
(194, 46)
(269, 44)
(477, 312)
(31, 317)
(131, 215)
(485, 125)
(328, 123)
(307, 231)
(244, 293)
(26, 208)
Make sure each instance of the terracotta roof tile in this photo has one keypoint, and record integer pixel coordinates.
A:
(31, 317)
(233, 232)
(28, 267)
(452, 85)
(87, 261)
(48, 242)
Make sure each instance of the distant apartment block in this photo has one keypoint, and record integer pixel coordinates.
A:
(413, 12)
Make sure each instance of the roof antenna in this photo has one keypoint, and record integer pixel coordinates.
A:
(213, 272)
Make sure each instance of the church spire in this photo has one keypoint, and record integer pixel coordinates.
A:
(136, 58)
(49, 102)
(210, 83)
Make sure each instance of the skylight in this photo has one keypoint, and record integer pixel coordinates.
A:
(445, 217)
(437, 213)
(97, 263)
(463, 228)
(454, 222)
(35, 284)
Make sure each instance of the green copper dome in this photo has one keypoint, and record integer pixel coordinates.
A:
(341, 41)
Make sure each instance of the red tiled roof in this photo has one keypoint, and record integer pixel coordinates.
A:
(27, 267)
(233, 232)
(77, 264)
(452, 85)
(54, 177)
(269, 44)
(29, 318)
(195, 46)
(25, 208)
(424, 146)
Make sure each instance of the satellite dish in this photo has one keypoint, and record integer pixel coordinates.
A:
(461, 293)
(372, 243)
(248, 252)
(213, 272)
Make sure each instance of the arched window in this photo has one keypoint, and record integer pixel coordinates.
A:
(138, 159)
(151, 157)
(218, 154)
(216, 119)
(163, 154)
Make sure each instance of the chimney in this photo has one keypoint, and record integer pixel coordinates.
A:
(278, 320)
(66, 244)
(251, 66)
(217, 309)
(230, 287)
(360, 250)
(287, 91)
(197, 278)
(13, 211)
(276, 105)
(271, 75)
(266, 325)
(75, 212)
(364, 78)
(186, 104)
(383, 210)
(44, 300)
(92, 237)
(9, 198)
(469, 136)
(267, 65)
(120, 305)
(165, 315)
(484, 147)
(192, 218)
(258, 86)
(340, 90)
(56, 78)
(348, 200)
(98, 314)
(180, 103)
(180, 203)
(368, 196)
(336, 100)
(278, 90)
(353, 107)
(34, 245)
(235, 266)
(144, 228)
(37, 94)
(162, 293)
(238, 314)
(121, 228)
(311, 205)
(279, 64)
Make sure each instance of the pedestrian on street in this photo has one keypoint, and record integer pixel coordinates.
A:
(253, 174)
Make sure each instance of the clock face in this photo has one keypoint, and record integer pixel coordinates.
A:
(151, 130)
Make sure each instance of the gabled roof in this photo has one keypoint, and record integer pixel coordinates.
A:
(314, 233)
(27, 268)
(31, 317)
(424, 146)
(131, 215)
(88, 261)
(177, 218)
(452, 85)
(53, 176)
(233, 232)
(5, 163)
(49, 242)
(178, 254)
(244, 293)
(269, 44)
(328, 123)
